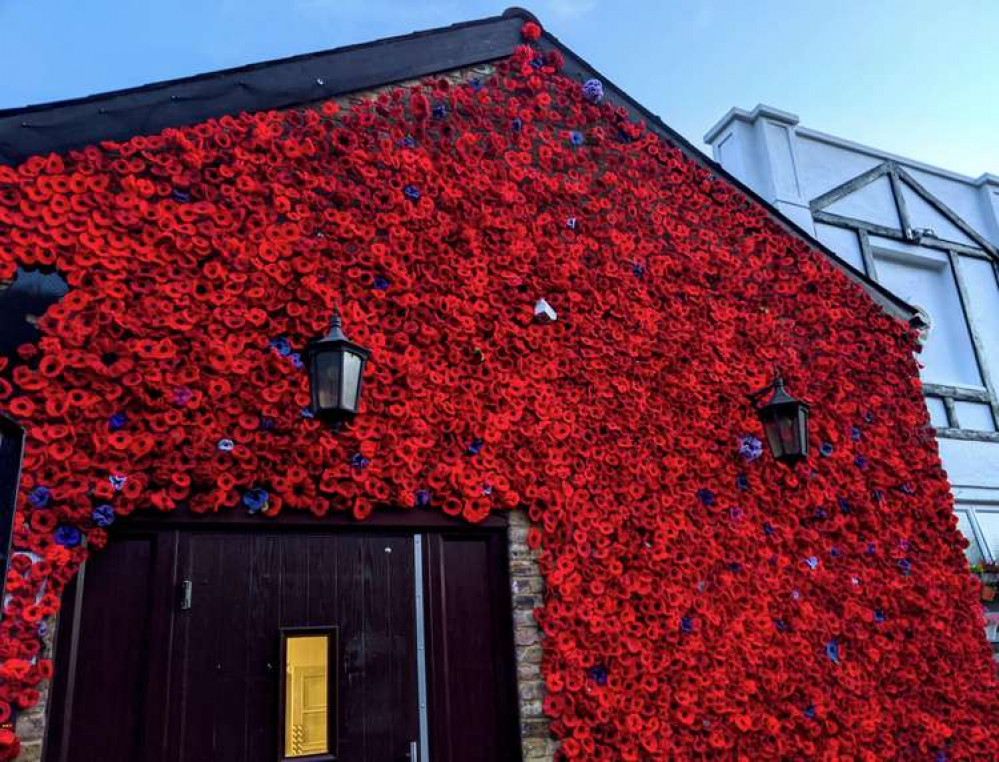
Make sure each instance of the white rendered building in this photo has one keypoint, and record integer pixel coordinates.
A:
(930, 236)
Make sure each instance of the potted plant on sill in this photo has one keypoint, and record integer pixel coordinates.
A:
(988, 574)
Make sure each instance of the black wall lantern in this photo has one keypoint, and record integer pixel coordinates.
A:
(785, 422)
(336, 369)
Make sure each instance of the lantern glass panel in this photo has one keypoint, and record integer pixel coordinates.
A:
(803, 431)
(352, 364)
(328, 375)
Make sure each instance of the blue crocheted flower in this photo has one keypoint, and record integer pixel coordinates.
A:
(103, 515)
(855, 434)
(832, 650)
(638, 269)
(423, 497)
(225, 445)
(67, 536)
(256, 499)
(475, 446)
(440, 111)
(686, 625)
(282, 345)
(706, 496)
(576, 138)
(571, 223)
(118, 481)
(409, 142)
(517, 124)
(117, 421)
(380, 283)
(826, 449)
(742, 482)
(359, 462)
(40, 496)
(813, 562)
(411, 192)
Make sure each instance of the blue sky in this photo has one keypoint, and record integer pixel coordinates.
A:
(919, 78)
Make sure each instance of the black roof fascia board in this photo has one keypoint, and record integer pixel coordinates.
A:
(289, 82)
(285, 83)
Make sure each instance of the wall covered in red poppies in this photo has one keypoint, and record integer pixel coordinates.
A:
(702, 599)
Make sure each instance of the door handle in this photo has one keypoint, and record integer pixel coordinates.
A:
(413, 755)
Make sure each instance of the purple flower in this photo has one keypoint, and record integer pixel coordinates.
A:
(412, 192)
(879, 616)
(296, 360)
(768, 530)
(781, 625)
(359, 462)
(117, 421)
(706, 496)
(182, 395)
(266, 424)
(813, 562)
(40, 496)
(598, 674)
(517, 124)
(475, 446)
(409, 142)
(440, 111)
(844, 506)
(905, 566)
(825, 449)
(750, 447)
(103, 515)
(742, 482)
(307, 412)
(576, 138)
(68, 536)
(860, 461)
(181, 196)
(423, 497)
(476, 84)
(855, 434)
(810, 711)
(571, 223)
(686, 625)
(637, 269)
(256, 499)
(118, 481)
(593, 90)
(380, 283)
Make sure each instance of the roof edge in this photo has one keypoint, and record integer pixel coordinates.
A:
(310, 78)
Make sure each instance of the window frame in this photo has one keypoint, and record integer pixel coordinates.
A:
(332, 696)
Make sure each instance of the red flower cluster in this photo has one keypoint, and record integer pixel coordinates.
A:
(701, 601)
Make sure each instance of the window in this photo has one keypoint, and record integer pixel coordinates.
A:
(980, 525)
(308, 692)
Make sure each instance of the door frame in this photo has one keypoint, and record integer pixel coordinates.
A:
(166, 528)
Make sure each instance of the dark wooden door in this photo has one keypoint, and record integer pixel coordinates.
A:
(144, 675)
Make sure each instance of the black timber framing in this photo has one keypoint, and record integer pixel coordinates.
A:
(950, 395)
(308, 79)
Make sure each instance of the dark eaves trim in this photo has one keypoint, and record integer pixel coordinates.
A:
(290, 82)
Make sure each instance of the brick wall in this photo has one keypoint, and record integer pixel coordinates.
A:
(31, 723)
(526, 584)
